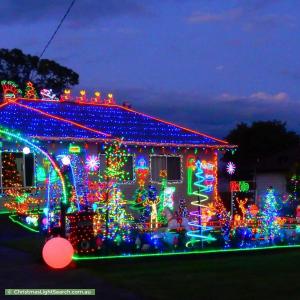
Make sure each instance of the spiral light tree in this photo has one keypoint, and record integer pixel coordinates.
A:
(199, 221)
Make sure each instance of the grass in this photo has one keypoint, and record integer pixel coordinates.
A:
(269, 275)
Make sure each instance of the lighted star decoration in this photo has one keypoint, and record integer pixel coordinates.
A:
(92, 163)
(230, 168)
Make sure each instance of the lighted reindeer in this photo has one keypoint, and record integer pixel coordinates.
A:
(152, 201)
(242, 206)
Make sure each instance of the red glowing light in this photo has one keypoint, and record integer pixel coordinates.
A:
(58, 252)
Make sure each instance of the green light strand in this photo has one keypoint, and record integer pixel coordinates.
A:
(78, 258)
(22, 224)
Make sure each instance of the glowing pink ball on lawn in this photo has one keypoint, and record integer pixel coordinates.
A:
(58, 252)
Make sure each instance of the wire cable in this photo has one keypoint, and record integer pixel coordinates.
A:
(57, 28)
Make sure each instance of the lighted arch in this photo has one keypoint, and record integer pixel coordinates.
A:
(53, 163)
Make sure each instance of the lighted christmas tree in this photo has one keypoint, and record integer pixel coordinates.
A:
(116, 158)
(199, 232)
(30, 92)
(223, 216)
(10, 176)
(269, 225)
(140, 196)
(118, 223)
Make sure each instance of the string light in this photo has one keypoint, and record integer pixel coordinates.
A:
(127, 123)
(199, 222)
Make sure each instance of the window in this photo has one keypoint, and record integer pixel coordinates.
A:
(163, 162)
(128, 167)
(17, 169)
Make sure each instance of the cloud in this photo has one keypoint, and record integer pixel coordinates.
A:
(255, 97)
(279, 97)
(220, 68)
(252, 15)
(200, 17)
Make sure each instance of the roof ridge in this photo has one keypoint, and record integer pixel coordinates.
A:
(61, 119)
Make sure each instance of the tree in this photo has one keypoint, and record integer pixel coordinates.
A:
(258, 142)
(43, 73)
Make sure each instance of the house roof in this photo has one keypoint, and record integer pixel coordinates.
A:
(113, 121)
(36, 124)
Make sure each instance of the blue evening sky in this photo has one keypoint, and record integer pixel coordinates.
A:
(205, 64)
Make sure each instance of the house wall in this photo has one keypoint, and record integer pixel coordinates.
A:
(61, 148)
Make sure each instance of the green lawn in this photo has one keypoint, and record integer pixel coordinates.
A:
(266, 275)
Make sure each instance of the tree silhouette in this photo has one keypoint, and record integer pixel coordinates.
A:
(258, 142)
(43, 73)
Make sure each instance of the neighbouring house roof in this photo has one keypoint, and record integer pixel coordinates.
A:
(112, 121)
(36, 124)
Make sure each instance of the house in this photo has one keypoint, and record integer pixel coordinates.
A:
(78, 128)
(280, 171)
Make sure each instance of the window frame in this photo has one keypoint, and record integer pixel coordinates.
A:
(120, 182)
(24, 186)
(166, 156)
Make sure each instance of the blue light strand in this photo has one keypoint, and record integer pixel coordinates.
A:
(120, 122)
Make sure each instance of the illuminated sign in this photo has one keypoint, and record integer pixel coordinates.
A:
(74, 149)
(239, 186)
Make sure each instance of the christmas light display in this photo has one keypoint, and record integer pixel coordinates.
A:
(17, 137)
(152, 202)
(141, 194)
(230, 168)
(198, 222)
(190, 171)
(81, 232)
(117, 223)
(239, 186)
(30, 92)
(74, 149)
(116, 157)
(66, 160)
(48, 95)
(10, 89)
(82, 98)
(26, 150)
(166, 197)
(97, 98)
(66, 96)
(242, 195)
(88, 152)
(92, 163)
(270, 226)
(223, 216)
(134, 127)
